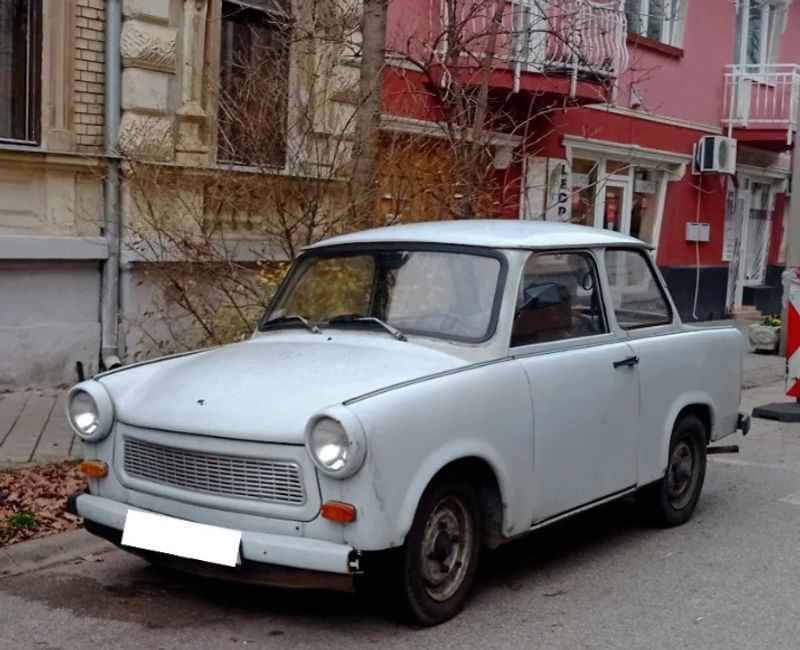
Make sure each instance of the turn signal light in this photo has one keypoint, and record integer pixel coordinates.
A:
(341, 513)
(94, 468)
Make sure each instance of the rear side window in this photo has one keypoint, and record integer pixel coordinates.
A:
(559, 298)
(636, 295)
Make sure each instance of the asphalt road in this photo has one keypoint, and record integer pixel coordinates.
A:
(728, 579)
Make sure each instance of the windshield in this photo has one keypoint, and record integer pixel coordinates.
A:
(426, 292)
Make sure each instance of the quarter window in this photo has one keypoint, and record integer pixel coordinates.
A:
(20, 65)
(559, 298)
(636, 294)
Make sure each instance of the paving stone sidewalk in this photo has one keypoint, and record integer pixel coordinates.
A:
(33, 426)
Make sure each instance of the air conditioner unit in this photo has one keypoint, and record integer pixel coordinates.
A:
(714, 154)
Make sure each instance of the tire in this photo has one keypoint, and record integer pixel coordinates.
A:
(439, 560)
(672, 500)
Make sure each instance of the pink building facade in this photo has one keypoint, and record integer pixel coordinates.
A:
(641, 83)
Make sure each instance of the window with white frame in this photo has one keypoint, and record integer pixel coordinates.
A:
(20, 70)
(660, 20)
(759, 24)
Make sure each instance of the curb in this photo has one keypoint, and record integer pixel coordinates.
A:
(36, 554)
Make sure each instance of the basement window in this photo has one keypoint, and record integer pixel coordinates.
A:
(20, 70)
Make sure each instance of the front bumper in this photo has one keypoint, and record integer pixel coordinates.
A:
(257, 548)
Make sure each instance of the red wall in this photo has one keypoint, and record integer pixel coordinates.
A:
(688, 83)
(682, 196)
(680, 208)
(685, 84)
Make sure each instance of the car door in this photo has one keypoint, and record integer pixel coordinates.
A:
(642, 311)
(582, 381)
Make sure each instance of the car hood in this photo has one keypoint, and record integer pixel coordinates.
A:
(266, 388)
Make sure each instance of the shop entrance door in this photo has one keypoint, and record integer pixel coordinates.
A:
(616, 214)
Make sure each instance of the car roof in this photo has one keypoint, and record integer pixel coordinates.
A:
(490, 233)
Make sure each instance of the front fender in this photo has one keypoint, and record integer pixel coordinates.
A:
(415, 430)
(449, 453)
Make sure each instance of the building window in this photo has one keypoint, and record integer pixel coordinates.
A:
(660, 20)
(254, 83)
(20, 66)
(759, 24)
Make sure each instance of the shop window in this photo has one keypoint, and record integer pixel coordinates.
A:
(660, 20)
(254, 82)
(617, 168)
(20, 70)
(584, 187)
(644, 211)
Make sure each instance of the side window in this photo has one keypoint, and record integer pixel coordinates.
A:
(637, 297)
(559, 298)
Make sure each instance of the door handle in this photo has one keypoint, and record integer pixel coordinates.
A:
(630, 362)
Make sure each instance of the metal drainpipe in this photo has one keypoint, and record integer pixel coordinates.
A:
(110, 293)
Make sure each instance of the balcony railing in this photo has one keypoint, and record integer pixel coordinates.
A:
(580, 37)
(762, 97)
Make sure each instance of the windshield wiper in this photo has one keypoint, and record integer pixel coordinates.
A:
(353, 318)
(291, 318)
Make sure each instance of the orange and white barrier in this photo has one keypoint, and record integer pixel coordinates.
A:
(791, 279)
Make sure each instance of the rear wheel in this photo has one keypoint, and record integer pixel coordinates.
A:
(440, 557)
(672, 500)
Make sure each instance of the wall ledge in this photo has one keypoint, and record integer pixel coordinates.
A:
(41, 247)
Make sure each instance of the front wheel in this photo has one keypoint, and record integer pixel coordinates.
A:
(672, 500)
(440, 557)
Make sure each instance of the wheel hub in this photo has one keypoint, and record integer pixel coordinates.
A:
(680, 474)
(446, 548)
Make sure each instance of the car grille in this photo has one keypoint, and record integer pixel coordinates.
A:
(275, 481)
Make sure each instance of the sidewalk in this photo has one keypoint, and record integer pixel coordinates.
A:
(33, 426)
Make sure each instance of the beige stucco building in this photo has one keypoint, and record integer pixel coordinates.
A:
(51, 244)
(82, 81)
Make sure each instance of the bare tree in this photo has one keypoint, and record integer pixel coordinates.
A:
(215, 241)
(474, 40)
(368, 117)
(301, 155)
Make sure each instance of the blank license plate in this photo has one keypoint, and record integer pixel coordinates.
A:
(152, 532)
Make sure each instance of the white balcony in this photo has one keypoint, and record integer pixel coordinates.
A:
(579, 39)
(582, 38)
(762, 98)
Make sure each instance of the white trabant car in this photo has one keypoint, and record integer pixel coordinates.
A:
(412, 395)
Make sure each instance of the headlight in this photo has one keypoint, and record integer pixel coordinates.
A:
(336, 450)
(84, 414)
(89, 411)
